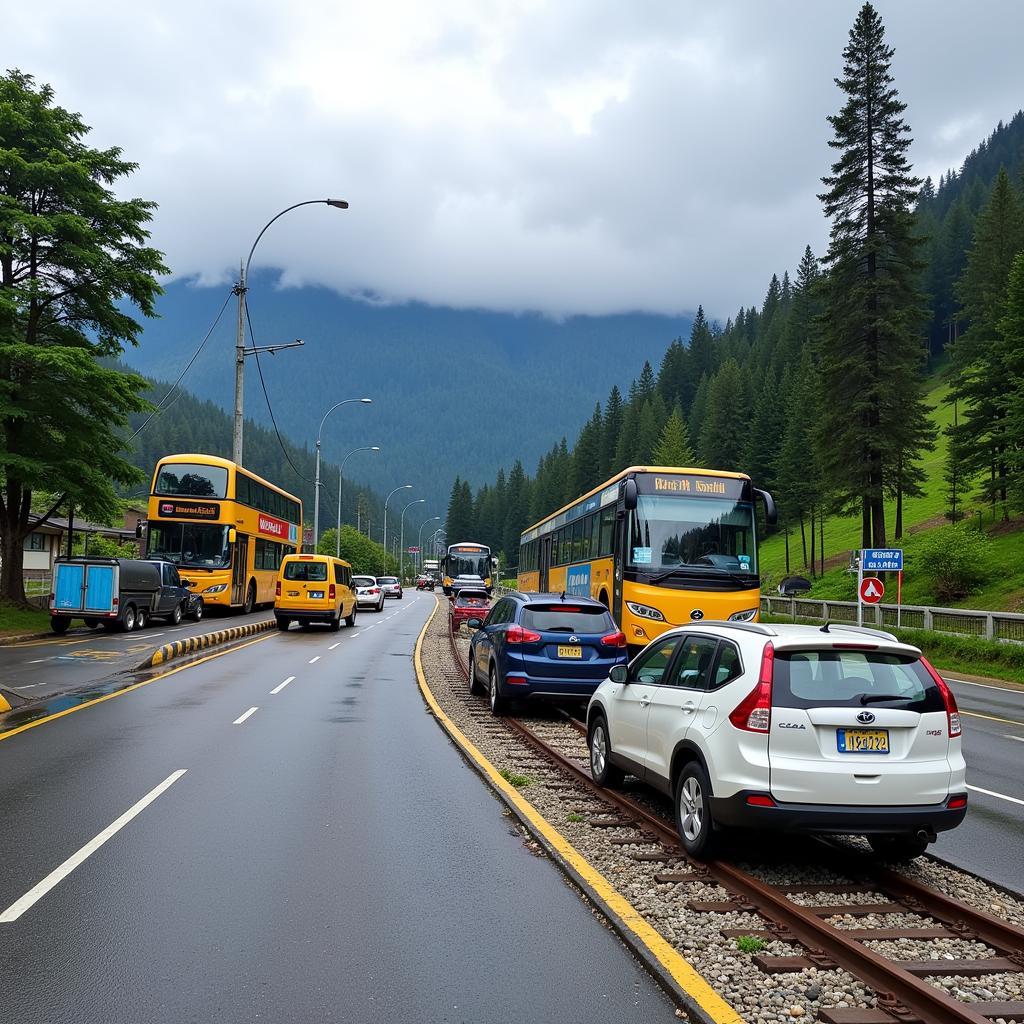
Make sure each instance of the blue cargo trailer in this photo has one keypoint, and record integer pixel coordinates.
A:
(118, 593)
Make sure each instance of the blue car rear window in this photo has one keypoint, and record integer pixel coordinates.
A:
(567, 619)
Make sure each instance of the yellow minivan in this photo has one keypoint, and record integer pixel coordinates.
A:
(314, 588)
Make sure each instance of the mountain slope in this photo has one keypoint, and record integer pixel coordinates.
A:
(455, 391)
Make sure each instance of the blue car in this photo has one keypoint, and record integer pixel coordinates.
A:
(549, 646)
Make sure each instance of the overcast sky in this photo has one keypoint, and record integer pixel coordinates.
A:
(575, 156)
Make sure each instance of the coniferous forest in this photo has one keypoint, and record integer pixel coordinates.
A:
(819, 390)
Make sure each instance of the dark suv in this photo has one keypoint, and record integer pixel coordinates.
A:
(551, 646)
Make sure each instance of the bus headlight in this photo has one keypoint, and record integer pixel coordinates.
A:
(217, 588)
(643, 611)
(747, 615)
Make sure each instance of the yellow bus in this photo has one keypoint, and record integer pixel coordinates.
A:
(225, 528)
(659, 546)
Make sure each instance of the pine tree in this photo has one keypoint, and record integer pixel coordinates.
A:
(673, 447)
(1011, 329)
(870, 352)
(626, 448)
(646, 382)
(980, 355)
(610, 433)
(702, 347)
(698, 413)
(723, 435)
(586, 456)
(517, 513)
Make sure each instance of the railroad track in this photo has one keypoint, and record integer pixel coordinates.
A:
(792, 914)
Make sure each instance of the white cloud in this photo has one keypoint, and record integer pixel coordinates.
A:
(578, 156)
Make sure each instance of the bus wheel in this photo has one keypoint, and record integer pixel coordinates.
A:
(250, 599)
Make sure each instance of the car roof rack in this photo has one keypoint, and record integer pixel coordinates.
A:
(747, 627)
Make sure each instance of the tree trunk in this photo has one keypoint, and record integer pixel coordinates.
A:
(865, 522)
(786, 533)
(803, 538)
(813, 562)
(899, 512)
(821, 546)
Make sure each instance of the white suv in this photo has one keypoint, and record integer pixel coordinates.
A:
(829, 729)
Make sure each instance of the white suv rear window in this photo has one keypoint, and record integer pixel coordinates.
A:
(843, 678)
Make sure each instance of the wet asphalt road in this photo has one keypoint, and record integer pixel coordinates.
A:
(990, 840)
(59, 664)
(331, 858)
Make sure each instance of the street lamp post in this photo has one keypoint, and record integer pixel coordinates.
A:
(316, 484)
(401, 534)
(419, 539)
(240, 350)
(341, 477)
(384, 531)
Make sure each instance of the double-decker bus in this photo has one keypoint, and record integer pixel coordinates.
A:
(225, 528)
(467, 560)
(659, 546)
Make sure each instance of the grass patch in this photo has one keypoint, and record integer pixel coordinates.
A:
(15, 620)
(750, 944)
(964, 655)
(515, 779)
(574, 817)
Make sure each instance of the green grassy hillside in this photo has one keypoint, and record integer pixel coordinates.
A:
(1003, 588)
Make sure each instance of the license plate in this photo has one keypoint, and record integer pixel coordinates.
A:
(316, 593)
(862, 741)
(570, 652)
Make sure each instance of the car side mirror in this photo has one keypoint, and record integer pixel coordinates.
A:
(629, 494)
(474, 623)
(619, 674)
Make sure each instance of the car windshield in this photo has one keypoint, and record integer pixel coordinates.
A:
(191, 481)
(470, 599)
(314, 572)
(845, 678)
(700, 534)
(389, 579)
(197, 545)
(567, 618)
(363, 581)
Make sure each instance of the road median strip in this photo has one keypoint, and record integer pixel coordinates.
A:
(191, 644)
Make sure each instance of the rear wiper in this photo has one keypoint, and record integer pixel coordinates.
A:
(877, 698)
(561, 629)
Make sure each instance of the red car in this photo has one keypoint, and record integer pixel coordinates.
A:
(468, 604)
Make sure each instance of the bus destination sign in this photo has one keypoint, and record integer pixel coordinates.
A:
(190, 509)
(692, 485)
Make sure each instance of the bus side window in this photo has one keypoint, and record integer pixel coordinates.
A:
(607, 529)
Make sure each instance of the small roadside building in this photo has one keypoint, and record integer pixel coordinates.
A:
(48, 540)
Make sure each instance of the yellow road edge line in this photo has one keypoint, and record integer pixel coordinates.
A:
(128, 689)
(687, 980)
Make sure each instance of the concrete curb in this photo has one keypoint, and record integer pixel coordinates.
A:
(191, 644)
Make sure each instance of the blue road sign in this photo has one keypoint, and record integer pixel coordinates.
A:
(881, 560)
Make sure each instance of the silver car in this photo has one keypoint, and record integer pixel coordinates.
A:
(369, 593)
(391, 585)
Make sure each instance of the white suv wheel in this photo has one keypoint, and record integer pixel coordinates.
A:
(691, 808)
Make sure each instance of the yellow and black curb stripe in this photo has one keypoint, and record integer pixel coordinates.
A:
(672, 971)
(191, 644)
(5, 704)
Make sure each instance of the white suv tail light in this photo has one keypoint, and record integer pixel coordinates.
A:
(952, 710)
(754, 712)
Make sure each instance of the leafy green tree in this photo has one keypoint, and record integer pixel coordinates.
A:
(364, 555)
(870, 351)
(953, 560)
(673, 447)
(73, 261)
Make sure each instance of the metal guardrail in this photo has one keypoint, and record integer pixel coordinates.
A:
(1005, 626)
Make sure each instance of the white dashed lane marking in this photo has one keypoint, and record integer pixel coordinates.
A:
(281, 686)
(241, 718)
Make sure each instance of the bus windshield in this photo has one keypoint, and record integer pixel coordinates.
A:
(468, 564)
(181, 479)
(199, 545)
(699, 534)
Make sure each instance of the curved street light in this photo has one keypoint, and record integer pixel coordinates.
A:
(316, 484)
(384, 532)
(341, 477)
(419, 538)
(240, 351)
(401, 534)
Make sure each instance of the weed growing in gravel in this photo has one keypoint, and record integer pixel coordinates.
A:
(514, 778)
(573, 816)
(750, 944)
